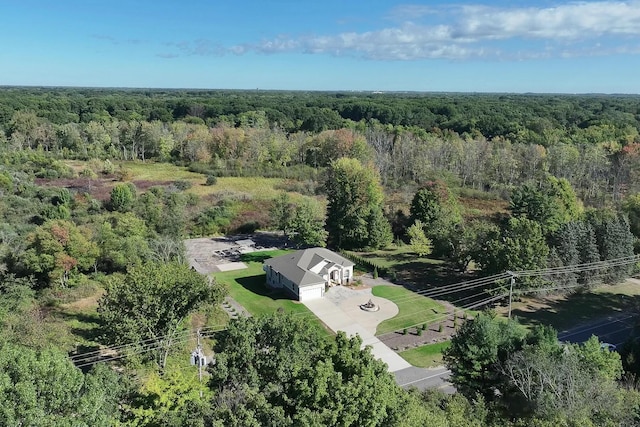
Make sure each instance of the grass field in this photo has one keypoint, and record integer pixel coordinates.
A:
(413, 308)
(248, 288)
(565, 311)
(426, 356)
(406, 266)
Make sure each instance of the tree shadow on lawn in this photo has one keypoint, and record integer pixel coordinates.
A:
(424, 275)
(574, 309)
(257, 285)
(94, 325)
(260, 256)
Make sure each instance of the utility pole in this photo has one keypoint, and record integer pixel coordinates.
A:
(198, 358)
(513, 281)
(200, 363)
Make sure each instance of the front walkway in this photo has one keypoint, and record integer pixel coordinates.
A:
(340, 311)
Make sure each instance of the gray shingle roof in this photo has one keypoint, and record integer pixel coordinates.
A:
(295, 266)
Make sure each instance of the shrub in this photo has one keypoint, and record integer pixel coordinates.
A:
(419, 331)
(375, 272)
(440, 327)
(122, 197)
(124, 174)
(182, 185)
(404, 331)
(248, 227)
(108, 167)
(211, 180)
(88, 173)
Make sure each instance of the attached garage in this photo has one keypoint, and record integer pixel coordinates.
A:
(306, 273)
(308, 293)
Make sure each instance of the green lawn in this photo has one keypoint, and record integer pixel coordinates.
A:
(413, 308)
(403, 264)
(248, 287)
(426, 356)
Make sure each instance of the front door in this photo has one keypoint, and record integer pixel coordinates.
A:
(335, 276)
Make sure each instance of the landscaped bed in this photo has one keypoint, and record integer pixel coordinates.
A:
(413, 309)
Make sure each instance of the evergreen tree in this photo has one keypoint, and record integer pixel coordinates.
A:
(380, 235)
(614, 240)
(618, 243)
(439, 211)
(588, 249)
(420, 243)
(565, 252)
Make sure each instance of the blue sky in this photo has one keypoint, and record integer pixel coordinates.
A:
(386, 45)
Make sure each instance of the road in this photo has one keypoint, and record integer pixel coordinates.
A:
(423, 378)
(615, 329)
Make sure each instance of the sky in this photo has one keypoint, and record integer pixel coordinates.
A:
(337, 45)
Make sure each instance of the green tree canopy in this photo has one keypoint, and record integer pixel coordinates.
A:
(439, 212)
(57, 249)
(476, 351)
(306, 226)
(276, 370)
(519, 245)
(355, 200)
(122, 197)
(45, 389)
(420, 243)
(151, 303)
(550, 202)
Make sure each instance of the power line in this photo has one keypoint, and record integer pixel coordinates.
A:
(140, 346)
(470, 306)
(580, 267)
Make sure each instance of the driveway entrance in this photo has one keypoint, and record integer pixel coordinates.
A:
(340, 311)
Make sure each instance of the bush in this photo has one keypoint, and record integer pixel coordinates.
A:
(440, 327)
(108, 168)
(375, 272)
(124, 174)
(404, 331)
(182, 185)
(211, 180)
(248, 227)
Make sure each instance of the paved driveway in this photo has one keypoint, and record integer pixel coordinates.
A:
(340, 311)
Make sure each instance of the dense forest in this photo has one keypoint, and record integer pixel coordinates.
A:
(481, 183)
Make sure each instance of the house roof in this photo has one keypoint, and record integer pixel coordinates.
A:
(296, 266)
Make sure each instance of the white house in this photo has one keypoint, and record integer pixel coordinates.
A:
(306, 273)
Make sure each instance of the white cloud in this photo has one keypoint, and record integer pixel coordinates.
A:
(466, 31)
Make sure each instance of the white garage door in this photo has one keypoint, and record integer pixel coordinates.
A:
(309, 293)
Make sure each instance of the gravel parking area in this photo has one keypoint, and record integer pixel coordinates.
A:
(214, 254)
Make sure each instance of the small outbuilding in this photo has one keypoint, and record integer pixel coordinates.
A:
(306, 273)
